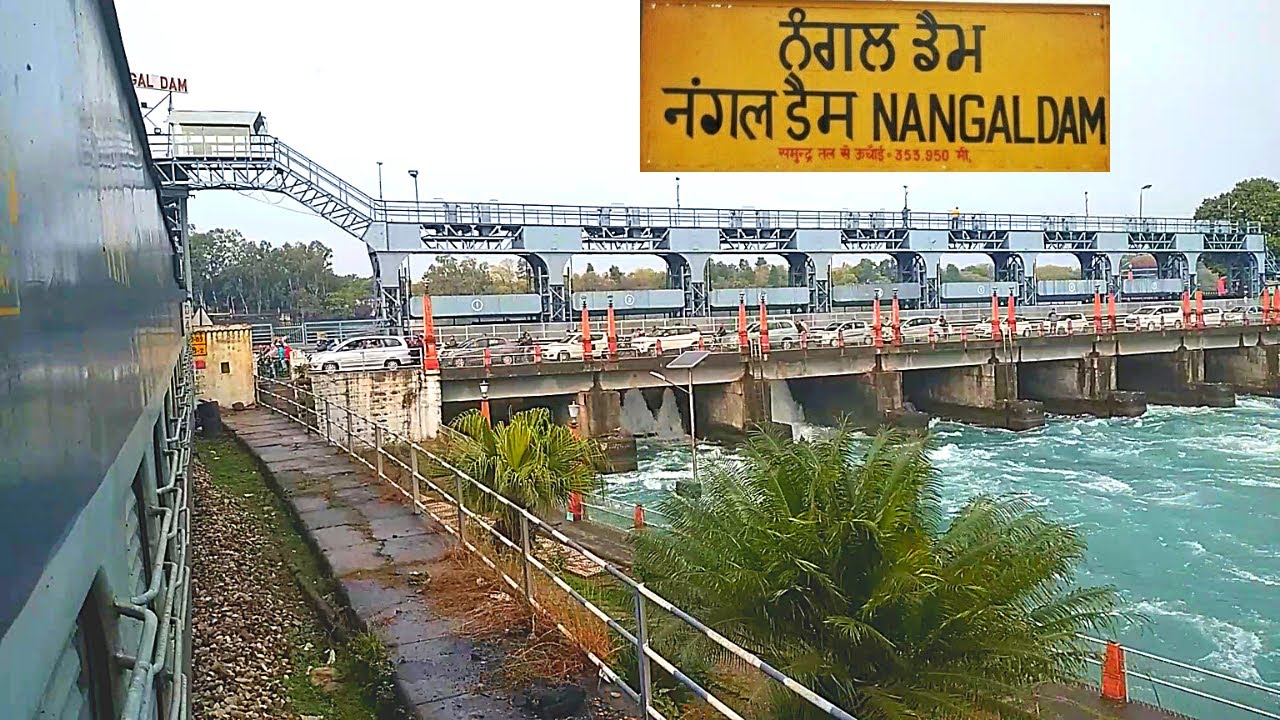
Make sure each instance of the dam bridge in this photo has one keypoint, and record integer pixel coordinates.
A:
(212, 154)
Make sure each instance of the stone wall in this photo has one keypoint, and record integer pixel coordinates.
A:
(1175, 378)
(1079, 387)
(979, 394)
(406, 402)
(224, 363)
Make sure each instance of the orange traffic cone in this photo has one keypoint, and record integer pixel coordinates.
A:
(1114, 686)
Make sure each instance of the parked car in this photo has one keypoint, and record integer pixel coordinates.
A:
(1241, 315)
(1024, 326)
(916, 329)
(570, 348)
(855, 332)
(783, 334)
(364, 353)
(1213, 316)
(673, 337)
(1154, 317)
(1067, 323)
(502, 351)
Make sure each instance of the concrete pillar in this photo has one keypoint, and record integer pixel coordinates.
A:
(978, 394)
(727, 412)
(601, 418)
(431, 406)
(869, 400)
(1253, 370)
(1079, 387)
(1175, 378)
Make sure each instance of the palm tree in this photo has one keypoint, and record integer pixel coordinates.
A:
(531, 461)
(835, 560)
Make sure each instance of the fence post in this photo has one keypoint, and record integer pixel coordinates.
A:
(413, 469)
(524, 565)
(462, 518)
(377, 449)
(327, 433)
(642, 657)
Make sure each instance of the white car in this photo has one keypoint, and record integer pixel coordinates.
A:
(1068, 324)
(1213, 316)
(674, 338)
(1155, 317)
(1241, 315)
(388, 352)
(570, 348)
(916, 329)
(856, 332)
(1025, 327)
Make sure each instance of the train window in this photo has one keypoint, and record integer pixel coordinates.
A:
(80, 684)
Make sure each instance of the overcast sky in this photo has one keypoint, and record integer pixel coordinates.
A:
(538, 102)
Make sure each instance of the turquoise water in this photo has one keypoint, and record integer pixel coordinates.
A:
(1181, 508)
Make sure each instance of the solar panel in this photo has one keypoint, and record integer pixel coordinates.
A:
(688, 359)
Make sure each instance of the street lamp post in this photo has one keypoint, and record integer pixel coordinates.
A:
(677, 192)
(574, 409)
(417, 210)
(1086, 203)
(379, 179)
(906, 211)
(484, 401)
(1141, 191)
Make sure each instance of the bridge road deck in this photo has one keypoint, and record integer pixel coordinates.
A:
(373, 546)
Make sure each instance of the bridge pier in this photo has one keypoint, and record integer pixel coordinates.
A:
(868, 400)
(726, 412)
(1251, 370)
(1079, 387)
(978, 394)
(1176, 378)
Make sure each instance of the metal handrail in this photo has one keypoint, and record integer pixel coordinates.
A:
(170, 573)
(749, 220)
(325, 426)
(1274, 692)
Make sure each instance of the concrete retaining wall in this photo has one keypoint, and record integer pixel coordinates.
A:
(406, 402)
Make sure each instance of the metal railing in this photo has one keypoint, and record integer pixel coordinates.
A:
(1179, 677)
(336, 424)
(164, 606)
(255, 150)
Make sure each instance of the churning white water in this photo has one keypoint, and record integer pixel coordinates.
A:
(786, 409)
(639, 420)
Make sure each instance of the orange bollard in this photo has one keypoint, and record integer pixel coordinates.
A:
(638, 517)
(1097, 312)
(933, 338)
(1013, 318)
(701, 345)
(1264, 301)
(1275, 305)
(488, 358)
(744, 346)
(575, 505)
(537, 353)
(840, 338)
(1114, 684)
(1111, 311)
(430, 361)
(964, 334)
(657, 346)
(1070, 330)
(995, 316)
(896, 320)
(804, 341)
(764, 328)
(1186, 309)
(612, 328)
(877, 338)
(586, 333)
(1200, 309)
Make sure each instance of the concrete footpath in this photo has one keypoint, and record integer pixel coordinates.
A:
(379, 552)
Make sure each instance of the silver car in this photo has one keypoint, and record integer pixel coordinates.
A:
(389, 352)
(783, 334)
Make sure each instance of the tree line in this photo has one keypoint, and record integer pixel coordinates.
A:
(235, 275)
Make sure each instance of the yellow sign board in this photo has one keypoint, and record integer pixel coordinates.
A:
(853, 85)
(199, 344)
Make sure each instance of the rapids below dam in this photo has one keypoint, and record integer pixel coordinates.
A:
(1181, 509)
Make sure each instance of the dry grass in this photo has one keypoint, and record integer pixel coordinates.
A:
(535, 646)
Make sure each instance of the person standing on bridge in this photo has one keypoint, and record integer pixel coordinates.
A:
(955, 218)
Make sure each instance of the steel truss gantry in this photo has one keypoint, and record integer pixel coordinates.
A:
(687, 237)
